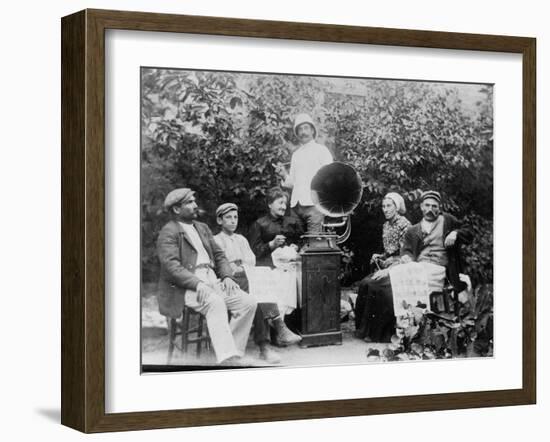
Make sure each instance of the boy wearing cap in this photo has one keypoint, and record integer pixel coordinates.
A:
(305, 163)
(236, 247)
(195, 272)
(240, 256)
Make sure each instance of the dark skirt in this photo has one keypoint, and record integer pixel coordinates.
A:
(374, 314)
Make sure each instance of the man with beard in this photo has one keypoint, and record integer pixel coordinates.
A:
(305, 163)
(435, 242)
(195, 272)
(436, 239)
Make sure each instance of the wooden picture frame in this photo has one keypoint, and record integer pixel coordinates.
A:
(83, 220)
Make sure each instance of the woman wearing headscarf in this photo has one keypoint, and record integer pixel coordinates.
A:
(374, 318)
(393, 231)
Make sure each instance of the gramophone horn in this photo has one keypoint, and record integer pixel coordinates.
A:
(336, 189)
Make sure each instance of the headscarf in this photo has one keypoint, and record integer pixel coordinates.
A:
(398, 201)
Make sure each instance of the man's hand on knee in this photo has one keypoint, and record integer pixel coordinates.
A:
(229, 286)
(204, 291)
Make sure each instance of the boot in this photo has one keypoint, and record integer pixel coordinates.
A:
(283, 336)
(269, 355)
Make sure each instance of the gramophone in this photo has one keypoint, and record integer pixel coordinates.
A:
(336, 190)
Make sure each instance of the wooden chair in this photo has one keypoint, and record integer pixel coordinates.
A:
(445, 301)
(185, 329)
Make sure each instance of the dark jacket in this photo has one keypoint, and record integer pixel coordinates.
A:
(178, 259)
(265, 229)
(413, 245)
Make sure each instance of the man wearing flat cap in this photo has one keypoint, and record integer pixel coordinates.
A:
(305, 163)
(195, 272)
(435, 242)
(436, 239)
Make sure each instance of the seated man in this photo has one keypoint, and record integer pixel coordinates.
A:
(435, 241)
(190, 264)
(240, 256)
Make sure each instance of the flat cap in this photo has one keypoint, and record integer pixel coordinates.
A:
(225, 208)
(431, 194)
(177, 196)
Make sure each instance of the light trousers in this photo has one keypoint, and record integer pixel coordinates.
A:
(228, 338)
(312, 219)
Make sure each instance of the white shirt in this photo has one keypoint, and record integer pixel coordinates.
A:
(305, 163)
(196, 242)
(427, 226)
(236, 247)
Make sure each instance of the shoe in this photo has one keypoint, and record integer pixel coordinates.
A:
(269, 355)
(230, 362)
(237, 361)
(247, 361)
(283, 336)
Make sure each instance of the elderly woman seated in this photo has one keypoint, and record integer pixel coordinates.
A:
(374, 319)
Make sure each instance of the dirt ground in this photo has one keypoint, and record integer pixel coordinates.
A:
(155, 345)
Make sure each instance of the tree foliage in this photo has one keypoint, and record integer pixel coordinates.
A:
(220, 133)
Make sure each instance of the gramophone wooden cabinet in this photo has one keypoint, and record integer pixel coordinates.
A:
(320, 313)
(336, 189)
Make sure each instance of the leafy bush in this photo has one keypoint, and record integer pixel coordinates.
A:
(422, 334)
(220, 133)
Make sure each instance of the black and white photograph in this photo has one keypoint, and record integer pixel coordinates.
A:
(306, 220)
(275, 221)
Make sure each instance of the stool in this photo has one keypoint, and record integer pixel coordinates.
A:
(185, 330)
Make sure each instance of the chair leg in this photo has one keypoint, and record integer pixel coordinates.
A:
(446, 301)
(200, 325)
(184, 330)
(171, 338)
(456, 303)
(187, 330)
